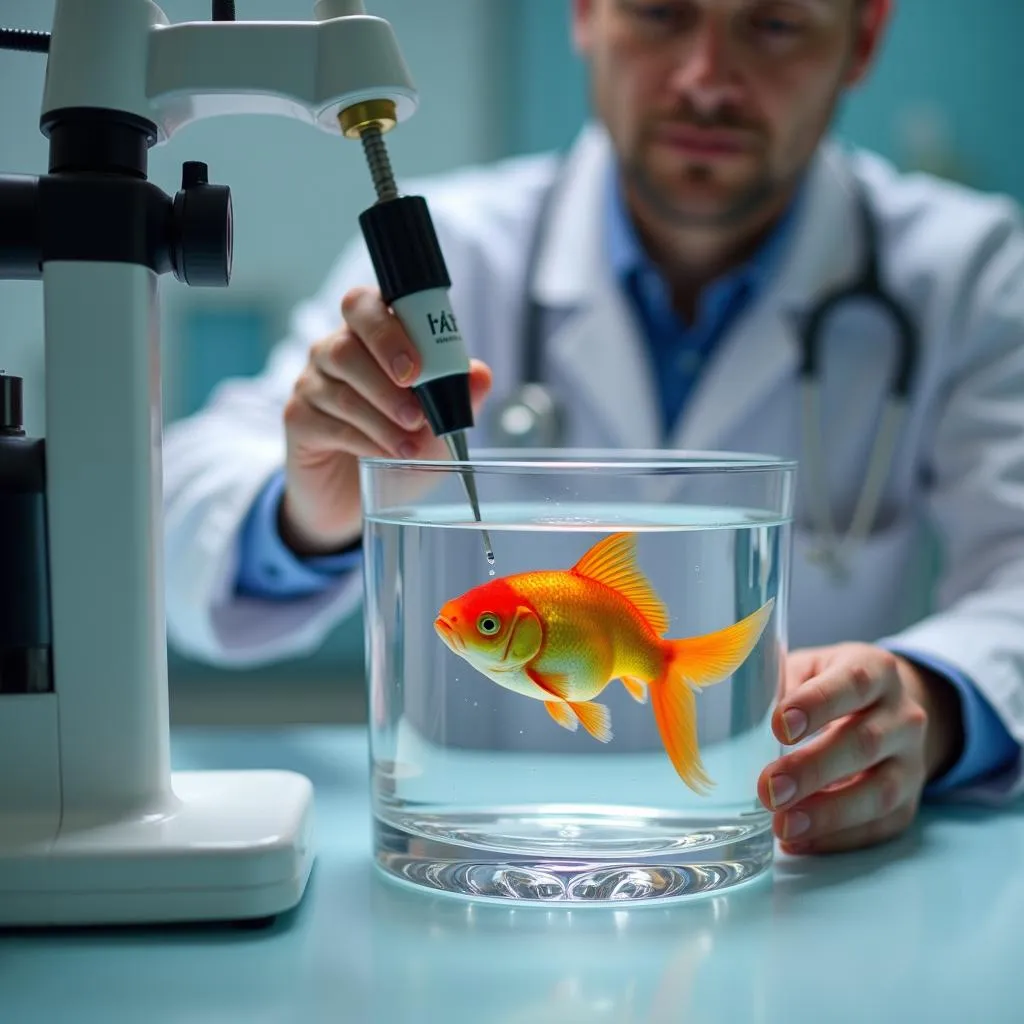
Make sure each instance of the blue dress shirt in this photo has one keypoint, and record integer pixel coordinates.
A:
(678, 351)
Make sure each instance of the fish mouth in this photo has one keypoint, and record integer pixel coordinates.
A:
(446, 631)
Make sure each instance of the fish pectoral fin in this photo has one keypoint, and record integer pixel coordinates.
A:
(636, 688)
(555, 683)
(675, 712)
(562, 714)
(596, 719)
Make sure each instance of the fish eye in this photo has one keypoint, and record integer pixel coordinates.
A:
(488, 624)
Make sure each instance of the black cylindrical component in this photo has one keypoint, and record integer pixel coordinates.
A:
(25, 40)
(12, 408)
(25, 644)
(21, 254)
(447, 403)
(403, 247)
(223, 10)
(84, 139)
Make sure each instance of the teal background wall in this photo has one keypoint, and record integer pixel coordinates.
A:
(497, 77)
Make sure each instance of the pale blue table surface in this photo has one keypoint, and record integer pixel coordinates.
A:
(929, 928)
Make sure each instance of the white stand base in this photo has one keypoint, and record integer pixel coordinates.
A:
(236, 845)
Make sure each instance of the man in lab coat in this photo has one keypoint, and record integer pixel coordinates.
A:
(703, 213)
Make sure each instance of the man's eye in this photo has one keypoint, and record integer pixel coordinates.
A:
(776, 26)
(654, 14)
(661, 13)
(776, 20)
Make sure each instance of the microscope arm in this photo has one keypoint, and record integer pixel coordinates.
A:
(311, 71)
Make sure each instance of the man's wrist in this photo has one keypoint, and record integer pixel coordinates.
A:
(304, 546)
(944, 736)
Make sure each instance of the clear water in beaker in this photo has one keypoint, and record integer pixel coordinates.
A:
(483, 788)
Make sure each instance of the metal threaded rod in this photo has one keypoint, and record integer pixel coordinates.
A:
(380, 165)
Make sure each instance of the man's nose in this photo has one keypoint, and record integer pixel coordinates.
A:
(706, 72)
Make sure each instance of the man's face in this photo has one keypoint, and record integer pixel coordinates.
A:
(716, 106)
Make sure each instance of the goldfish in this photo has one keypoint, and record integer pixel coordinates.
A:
(562, 636)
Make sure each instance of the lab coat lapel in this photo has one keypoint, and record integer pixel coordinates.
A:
(596, 351)
(599, 355)
(762, 351)
(598, 348)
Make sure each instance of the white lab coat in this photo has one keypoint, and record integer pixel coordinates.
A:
(956, 257)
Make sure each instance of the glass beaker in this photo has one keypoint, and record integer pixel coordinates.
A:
(583, 720)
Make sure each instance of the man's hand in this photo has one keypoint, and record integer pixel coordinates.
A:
(353, 399)
(886, 726)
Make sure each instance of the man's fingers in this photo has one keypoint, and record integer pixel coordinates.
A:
(843, 687)
(382, 333)
(801, 665)
(481, 380)
(342, 402)
(855, 745)
(857, 837)
(873, 794)
(313, 429)
(343, 357)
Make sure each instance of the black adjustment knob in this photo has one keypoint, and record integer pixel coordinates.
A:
(203, 235)
(12, 410)
(194, 172)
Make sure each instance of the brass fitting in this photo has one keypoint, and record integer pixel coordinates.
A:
(356, 119)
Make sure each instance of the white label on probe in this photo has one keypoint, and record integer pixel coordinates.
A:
(429, 321)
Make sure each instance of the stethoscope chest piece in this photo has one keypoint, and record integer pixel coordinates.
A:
(527, 419)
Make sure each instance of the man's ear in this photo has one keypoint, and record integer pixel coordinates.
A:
(872, 20)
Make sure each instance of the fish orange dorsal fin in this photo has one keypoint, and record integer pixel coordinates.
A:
(612, 561)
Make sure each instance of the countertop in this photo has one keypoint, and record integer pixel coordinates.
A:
(927, 928)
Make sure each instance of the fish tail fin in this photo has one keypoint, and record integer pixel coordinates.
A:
(699, 662)
(708, 659)
(675, 710)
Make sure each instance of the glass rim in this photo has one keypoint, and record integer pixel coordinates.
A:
(541, 460)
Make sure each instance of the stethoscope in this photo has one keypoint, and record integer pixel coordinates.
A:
(532, 418)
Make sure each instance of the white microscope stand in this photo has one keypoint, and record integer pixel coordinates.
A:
(94, 827)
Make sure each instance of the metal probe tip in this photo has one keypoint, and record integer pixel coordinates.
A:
(456, 442)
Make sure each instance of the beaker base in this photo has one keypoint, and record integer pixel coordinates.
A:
(550, 876)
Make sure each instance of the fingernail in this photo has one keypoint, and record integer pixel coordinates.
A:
(795, 723)
(796, 823)
(402, 365)
(407, 450)
(411, 414)
(781, 789)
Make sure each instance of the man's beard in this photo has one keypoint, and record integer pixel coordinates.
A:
(738, 210)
